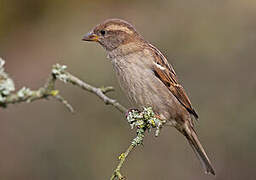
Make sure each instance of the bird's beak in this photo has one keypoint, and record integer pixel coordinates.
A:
(90, 37)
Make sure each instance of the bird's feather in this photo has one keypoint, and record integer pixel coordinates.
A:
(164, 71)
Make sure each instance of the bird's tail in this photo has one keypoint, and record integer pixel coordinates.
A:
(194, 142)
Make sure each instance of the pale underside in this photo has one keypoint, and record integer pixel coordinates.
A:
(144, 89)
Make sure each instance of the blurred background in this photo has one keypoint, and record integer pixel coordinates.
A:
(211, 45)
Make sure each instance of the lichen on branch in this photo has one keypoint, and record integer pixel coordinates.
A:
(8, 96)
(58, 72)
(143, 121)
(6, 83)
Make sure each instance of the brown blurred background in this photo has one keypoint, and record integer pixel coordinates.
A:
(211, 45)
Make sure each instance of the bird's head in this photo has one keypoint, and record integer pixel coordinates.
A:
(113, 33)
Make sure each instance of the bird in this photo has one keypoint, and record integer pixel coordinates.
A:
(148, 79)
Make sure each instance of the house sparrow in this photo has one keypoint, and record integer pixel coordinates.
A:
(148, 79)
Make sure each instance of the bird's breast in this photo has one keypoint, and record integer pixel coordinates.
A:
(140, 84)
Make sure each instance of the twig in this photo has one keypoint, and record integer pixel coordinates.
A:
(144, 121)
(61, 74)
(27, 95)
(122, 158)
(48, 90)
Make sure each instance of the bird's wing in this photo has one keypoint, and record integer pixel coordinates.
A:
(165, 72)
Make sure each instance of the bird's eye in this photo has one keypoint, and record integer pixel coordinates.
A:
(102, 32)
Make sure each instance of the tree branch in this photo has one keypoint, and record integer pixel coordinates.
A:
(142, 120)
(60, 73)
(7, 95)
